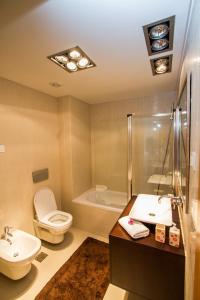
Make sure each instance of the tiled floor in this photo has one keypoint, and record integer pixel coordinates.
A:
(28, 287)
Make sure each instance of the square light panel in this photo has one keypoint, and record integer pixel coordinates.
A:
(159, 35)
(161, 65)
(72, 60)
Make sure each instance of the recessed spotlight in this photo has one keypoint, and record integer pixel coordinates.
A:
(83, 62)
(159, 35)
(61, 59)
(158, 31)
(161, 65)
(161, 69)
(74, 54)
(71, 65)
(72, 60)
(161, 61)
(159, 45)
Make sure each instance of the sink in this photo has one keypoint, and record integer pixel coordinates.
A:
(147, 209)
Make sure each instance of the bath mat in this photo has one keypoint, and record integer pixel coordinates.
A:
(85, 276)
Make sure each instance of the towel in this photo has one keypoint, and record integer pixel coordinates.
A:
(134, 228)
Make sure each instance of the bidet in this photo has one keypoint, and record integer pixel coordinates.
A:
(17, 253)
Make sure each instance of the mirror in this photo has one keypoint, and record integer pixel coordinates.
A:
(185, 109)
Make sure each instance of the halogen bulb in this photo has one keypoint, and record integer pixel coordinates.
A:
(161, 69)
(71, 65)
(61, 59)
(83, 62)
(74, 54)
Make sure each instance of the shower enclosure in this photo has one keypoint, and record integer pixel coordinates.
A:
(147, 147)
(150, 163)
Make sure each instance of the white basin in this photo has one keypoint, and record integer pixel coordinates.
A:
(15, 259)
(148, 209)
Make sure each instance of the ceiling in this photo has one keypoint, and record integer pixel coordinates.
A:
(109, 31)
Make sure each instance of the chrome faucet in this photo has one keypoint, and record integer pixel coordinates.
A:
(7, 234)
(175, 200)
(164, 196)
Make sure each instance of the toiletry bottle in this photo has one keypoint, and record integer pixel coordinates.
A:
(160, 233)
(174, 236)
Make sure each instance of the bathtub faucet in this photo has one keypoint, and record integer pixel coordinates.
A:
(7, 234)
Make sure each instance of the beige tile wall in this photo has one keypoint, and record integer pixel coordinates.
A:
(29, 129)
(75, 148)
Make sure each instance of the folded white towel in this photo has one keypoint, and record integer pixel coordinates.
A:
(134, 228)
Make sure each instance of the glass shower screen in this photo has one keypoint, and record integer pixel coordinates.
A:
(151, 143)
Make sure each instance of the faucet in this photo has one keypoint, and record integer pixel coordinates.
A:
(176, 200)
(164, 196)
(7, 234)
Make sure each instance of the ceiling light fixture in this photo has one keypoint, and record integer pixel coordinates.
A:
(161, 65)
(161, 61)
(71, 65)
(159, 35)
(161, 69)
(74, 54)
(159, 45)
(158, 31)
(83, 62)
(72, 60)
(61, 59)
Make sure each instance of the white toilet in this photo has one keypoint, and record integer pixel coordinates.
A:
(50, 224)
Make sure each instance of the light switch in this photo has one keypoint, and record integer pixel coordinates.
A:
(2, 148)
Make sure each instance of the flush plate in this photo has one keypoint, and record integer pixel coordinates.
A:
(40, 175)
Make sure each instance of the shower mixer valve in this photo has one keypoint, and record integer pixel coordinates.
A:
(176, 201)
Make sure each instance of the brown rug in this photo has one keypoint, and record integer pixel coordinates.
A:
(85, 276)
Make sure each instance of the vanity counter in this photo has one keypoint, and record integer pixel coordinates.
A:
(145, 267)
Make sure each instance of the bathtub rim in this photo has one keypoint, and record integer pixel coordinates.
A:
(101, 206)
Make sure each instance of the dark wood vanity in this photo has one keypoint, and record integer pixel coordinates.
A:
(148, 269)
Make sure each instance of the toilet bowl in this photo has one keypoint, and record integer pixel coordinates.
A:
(50, 224)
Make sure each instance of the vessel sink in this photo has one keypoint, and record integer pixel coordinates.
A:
(148, 209)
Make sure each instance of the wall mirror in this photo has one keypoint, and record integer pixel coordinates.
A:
(184, 105)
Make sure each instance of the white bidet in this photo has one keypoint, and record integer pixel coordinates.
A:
(17, 253)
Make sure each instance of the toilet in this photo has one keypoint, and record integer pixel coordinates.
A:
(50, 224)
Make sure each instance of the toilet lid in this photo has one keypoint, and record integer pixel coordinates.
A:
(44, 202)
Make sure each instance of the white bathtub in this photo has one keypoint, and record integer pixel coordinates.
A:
(108, 200)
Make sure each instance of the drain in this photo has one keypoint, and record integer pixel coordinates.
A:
(152, 214)
(15, 254)
(41, 256)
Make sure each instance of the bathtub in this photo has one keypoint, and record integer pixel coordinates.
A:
(108, 199)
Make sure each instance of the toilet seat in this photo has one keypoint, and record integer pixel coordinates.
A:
(57, 220)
